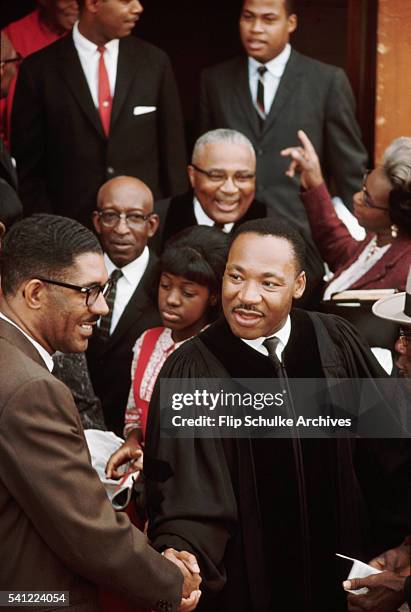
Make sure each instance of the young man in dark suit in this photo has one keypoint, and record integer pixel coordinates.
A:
(96, 104)
(58, 529)
(272, 91)
(124, 221)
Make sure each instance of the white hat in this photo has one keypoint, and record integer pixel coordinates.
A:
(396, 307)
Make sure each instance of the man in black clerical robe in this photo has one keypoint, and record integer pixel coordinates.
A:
(265, 517)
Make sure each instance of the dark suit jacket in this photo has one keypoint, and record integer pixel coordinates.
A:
(177, 214)
(58, 530)
(7, 170)
(109, 361)
(312, 96)
(62, 154)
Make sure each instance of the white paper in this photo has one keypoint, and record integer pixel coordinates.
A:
(361, 570)
(102, 444)
(142, 110)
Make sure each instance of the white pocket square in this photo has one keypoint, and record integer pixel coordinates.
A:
(142, 110)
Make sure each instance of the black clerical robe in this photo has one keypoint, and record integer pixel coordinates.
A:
(263, 517)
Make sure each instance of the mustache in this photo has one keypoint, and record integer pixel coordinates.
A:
(248, 307)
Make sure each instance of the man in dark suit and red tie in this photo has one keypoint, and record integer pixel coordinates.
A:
(271, 92)
(96, 104)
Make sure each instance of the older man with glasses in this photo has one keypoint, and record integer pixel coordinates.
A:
(124, 221)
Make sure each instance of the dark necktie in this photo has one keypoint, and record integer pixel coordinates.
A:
(219, 226)
(260, 94)
(104, 95)
(105, 321)
(271, 345)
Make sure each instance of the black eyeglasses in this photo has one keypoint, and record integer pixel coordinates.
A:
(367, 199)
(111, 219)
(17, 58)
(405, 335)
(92, 292)
(219, 176)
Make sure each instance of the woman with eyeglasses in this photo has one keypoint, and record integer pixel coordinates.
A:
(382, 208)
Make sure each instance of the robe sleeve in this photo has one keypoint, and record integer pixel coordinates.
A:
(190, 498)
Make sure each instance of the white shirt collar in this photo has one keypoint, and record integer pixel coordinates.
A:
(84, 45)
(135, 269)
(203, 219)
(283, 334)
(276, 66)
(47, 358)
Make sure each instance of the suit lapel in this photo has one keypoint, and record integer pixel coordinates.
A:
(129, 62)
(243, 94)
(180, 215)
(292, 73)
(73, 74)
(18, 339)
(137, 304)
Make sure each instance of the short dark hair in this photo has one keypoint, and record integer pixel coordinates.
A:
(199, 254)
(279, 229)
(42, 245)
(11, 208)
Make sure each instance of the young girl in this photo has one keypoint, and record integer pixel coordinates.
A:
(192, 267)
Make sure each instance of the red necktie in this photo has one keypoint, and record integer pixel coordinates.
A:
(104, 96)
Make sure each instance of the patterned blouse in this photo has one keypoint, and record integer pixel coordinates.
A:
(164, 346)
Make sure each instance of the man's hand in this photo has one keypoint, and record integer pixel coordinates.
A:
(189, 603)
(304, 160)
(396, 559)
(130, 452)
(188, 566)
(386, 592)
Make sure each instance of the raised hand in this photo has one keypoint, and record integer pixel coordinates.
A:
(304, 160)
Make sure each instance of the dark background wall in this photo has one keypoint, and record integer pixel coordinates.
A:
(197, 34)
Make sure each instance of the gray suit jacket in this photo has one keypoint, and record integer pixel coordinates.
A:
(312, 96)
(58, 530)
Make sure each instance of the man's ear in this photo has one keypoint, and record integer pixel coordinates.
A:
(191, 178)
(34, 292)
(96, 221)
(2, 230)
(153, 223)
(299, 285)
(292, 23)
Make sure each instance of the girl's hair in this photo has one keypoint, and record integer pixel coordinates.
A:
(199, 254)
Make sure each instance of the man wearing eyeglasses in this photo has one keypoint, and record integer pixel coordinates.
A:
(222, 175)
(58, 530)
(124, 221)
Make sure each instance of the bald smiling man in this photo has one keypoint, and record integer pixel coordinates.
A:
(124, 221)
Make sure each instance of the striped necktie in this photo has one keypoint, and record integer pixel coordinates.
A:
(105, 321)
(260, 94)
